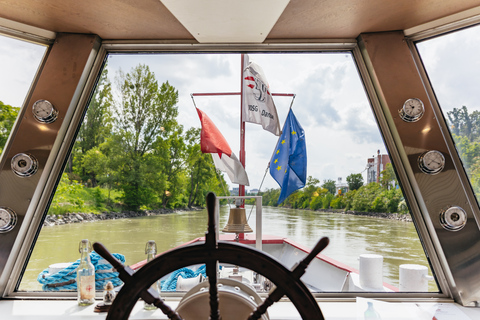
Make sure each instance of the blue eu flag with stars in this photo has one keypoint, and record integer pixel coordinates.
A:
(289, 161)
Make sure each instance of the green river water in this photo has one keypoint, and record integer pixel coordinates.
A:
(349, 236)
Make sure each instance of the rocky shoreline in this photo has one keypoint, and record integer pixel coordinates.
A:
(391, 216)
(56, 220)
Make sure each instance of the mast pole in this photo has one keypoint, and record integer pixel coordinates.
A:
(241, 188)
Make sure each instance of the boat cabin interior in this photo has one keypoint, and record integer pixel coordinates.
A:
(383, 49)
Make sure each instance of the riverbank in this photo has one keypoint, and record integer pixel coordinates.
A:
(55, 220)
(391, 216)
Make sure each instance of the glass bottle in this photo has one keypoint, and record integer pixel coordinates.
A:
(151, 251)
(371, 313)
(85, 275)
(108, 294)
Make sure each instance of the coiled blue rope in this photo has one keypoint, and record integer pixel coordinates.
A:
(66, 279)
(170, 284)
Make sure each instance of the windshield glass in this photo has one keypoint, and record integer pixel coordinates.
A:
(19, 62)
(454, 71)
(137, 171)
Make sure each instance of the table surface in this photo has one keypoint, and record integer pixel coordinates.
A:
(283, 310)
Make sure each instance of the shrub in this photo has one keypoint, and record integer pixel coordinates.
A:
(326, 200)
(365, 197)
(316, 203)
(337, 203)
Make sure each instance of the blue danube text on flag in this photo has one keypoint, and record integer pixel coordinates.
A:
(288, 165)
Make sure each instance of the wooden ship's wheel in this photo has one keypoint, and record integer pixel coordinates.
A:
(138, 284)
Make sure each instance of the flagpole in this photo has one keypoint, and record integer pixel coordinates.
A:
(241, 188)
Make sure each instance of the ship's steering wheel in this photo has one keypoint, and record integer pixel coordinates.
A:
(138, 284)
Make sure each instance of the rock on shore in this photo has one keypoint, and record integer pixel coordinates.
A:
(391, 216)
(52, 220)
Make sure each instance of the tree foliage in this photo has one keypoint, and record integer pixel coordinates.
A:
(355, 181)
(131, 152)
(145, 117)
(388, 178)
(329, 184)
(96, 127)
(465, 128)
(132, 146)
(8, 115)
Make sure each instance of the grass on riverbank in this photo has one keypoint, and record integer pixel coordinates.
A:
(72, 196)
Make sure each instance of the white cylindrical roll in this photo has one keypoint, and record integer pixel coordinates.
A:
(413, 277)
(371, 271)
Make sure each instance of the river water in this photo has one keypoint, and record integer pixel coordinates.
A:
(350, 236)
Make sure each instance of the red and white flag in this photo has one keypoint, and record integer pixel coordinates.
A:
(212, 141)
(258, 105)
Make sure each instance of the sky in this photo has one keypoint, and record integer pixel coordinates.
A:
(329, 101)
(330, 104)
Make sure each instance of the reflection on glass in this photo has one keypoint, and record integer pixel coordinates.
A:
(454, 70)
(137, 159)
(19, 61)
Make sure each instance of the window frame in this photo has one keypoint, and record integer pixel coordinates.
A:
(37, 209)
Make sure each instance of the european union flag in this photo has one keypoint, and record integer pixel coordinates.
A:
(289, 161)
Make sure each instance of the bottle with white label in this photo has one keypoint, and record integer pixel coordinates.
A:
(151, 251)
(85, 276)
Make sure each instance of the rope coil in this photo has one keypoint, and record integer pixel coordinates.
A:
(170, 284)
(66, 279)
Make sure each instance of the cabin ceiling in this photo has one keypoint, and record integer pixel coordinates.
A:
(301, 19)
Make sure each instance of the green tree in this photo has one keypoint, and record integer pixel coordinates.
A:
(170, 155)
(270, 197)
(327, 200)
(8, 115)
(329, 185)
(316, 201)
(463, 123)
(338, 202)
(95, 129)
(365, 196)
(355, 181)
(145, 113)
(468, 150)
(200, 169)
(465, 129)
(388, 178)
(387, 201)
(349, 197)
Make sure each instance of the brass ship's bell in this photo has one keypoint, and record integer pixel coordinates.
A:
(237, 222)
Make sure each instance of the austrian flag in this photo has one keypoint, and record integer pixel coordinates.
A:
(213, 142)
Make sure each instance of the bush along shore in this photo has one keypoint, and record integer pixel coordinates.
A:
(391, 216)
(55, 220)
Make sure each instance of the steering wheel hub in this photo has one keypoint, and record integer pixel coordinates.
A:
(236, 301)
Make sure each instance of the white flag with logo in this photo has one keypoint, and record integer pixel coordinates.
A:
(258, 105)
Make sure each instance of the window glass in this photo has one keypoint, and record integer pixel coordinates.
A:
(136, 172)
(19, 61)
(453, 68)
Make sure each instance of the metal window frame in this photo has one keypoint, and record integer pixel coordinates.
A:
(84, 91)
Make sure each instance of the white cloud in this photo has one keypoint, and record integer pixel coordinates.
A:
(454, 68)
(19, 61)
(331, 104)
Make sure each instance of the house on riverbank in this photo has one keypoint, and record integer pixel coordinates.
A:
(375, 165)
